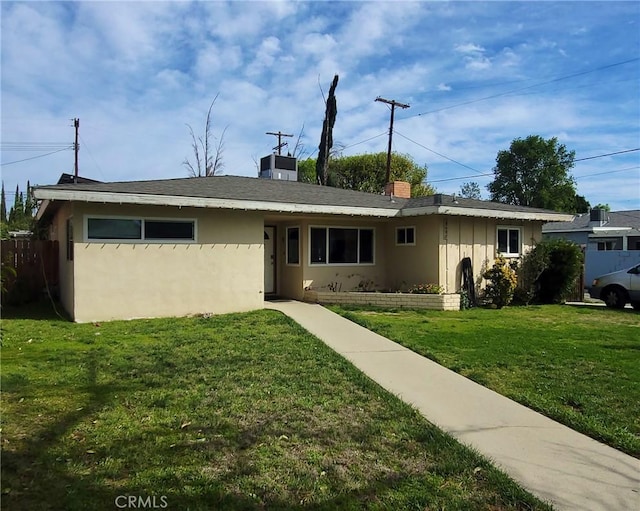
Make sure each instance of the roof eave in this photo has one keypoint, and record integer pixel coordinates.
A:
(207, 202)
(488, 213)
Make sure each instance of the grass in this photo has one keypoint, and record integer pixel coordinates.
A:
(579, 366)
(238, 412)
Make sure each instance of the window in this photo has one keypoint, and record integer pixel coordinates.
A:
(341, 245)
(509, 241)
(168, 230)
(606, 245)
(138, 229)
(405, 235)
(69, 239)
(293, 245)
(114, 229)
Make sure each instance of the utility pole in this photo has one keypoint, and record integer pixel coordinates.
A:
(76, 148)
(281, 144)
(393, 104)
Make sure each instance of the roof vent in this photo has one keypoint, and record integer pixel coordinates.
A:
(276, 166)
(598, 216)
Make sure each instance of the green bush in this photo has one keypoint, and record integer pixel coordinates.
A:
(548, 273)
(426, 289)
(502, 282)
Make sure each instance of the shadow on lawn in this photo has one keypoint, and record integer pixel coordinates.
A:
(40, 310)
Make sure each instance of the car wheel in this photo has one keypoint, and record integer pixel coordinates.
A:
(614, 298)
(636, 305)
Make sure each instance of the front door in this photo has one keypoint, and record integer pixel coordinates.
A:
(269, 260)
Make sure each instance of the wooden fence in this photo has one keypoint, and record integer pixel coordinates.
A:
(35, 266)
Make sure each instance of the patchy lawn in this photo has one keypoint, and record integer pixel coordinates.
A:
(242, 411)
(579, 366)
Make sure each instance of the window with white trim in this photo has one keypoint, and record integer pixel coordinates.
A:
(405, 235)
(341, 245)
(293, 246)
(509, 241)
(139, 229)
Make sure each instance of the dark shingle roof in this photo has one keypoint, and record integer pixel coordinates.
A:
(242, 188)
(276, 191)
(629, 218)
(440, 199)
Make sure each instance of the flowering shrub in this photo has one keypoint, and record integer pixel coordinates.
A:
(502, 282)
(426, 289)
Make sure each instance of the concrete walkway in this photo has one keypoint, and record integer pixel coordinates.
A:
(555, 463)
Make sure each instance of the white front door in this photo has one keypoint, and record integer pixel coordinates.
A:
(269, 260)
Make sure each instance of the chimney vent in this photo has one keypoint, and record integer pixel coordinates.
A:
(399, 189)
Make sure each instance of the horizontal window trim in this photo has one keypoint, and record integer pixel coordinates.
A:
(287, 245)
(327, 227)
(142, 239)
(509, 228)
(405, 244)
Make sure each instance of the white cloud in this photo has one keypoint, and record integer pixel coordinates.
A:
(469, 48)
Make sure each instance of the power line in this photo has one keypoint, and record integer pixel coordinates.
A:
(609, 172)
(608, 154)
(34, 157)
(366, 140)
(439, 154)
(505, 93)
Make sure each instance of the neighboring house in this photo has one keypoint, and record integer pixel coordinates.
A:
(220, 244)
(610, 240)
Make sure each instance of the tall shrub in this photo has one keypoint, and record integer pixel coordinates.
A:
(558, 279)
(548, 272)
(502, 282)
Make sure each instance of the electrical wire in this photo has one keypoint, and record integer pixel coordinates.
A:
(34, 157)
(505, 93)
(439, 154)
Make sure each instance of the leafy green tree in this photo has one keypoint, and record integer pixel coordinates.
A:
(367, 173)
(307, 170)
(3, 206)
(606, 207)
(535, 172)
(581, 205)
(470, 190)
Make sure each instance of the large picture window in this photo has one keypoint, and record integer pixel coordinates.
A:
(509, 241)
(341, 245)
(139, 229)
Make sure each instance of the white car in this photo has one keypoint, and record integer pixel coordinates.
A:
(618, 288)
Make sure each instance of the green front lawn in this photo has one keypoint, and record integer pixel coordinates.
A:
(243, 411)
(579, 366)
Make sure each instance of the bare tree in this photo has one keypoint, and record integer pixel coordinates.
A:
(326, 139)
(207, 156)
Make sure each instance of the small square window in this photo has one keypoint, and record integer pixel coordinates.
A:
(509, 241)
(405, 236)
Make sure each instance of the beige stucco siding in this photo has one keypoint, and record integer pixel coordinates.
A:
(221, 272)
(294, 279)
(58, 232)
(413, 264)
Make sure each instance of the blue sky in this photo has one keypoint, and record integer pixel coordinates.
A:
(476, 74)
